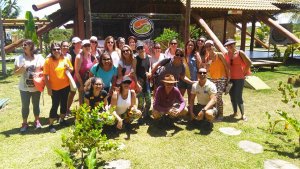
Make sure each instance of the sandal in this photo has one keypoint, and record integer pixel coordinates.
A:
(244, 118)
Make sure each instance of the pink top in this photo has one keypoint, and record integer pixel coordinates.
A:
(86, 64)
(236, 66)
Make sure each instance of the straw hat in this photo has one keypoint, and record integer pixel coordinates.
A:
(169, 79)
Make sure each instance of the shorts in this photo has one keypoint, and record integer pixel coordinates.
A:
(198, 107)
(184, 85)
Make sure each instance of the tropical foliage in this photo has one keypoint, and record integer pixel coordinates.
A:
(9, 8)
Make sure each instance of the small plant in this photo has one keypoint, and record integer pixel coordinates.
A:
(289, 96)
(85, 139)
(164, 38)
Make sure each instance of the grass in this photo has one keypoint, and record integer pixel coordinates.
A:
(152, 147)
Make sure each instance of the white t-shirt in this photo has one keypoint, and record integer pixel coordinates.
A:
(115, 58)
(32, 66)
(203, 93)
(154, 61)
(123, 104)
(168, 54)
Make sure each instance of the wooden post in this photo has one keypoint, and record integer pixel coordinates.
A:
(225, 28)
(4, 72)
(243, 35)
(252, 33)
(187, 21)
(79, 19)
(88, 18)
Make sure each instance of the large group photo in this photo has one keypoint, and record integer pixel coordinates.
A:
(120, 89)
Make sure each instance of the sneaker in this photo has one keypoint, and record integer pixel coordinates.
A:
(52, 129)
(24, 127)
(63, 122)
(38, 124)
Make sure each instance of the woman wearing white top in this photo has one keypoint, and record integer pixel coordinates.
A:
(170, 52)
(27, 65)
(125, 103)
(110, 48)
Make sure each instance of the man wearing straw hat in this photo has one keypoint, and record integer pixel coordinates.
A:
(168, 100)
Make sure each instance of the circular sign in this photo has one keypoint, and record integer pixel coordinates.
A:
(141, 26)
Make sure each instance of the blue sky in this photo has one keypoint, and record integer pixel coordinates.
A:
(26, 5)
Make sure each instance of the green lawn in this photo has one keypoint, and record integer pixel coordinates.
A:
(151, 147)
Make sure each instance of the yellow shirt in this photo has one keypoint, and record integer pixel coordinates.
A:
(55, 69)
(217, 68)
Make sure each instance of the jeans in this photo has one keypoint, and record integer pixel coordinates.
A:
(35, 100)
(142, 98)
(59, 97)
(236, 93)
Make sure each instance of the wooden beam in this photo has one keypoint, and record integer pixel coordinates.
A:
(252, 33)
(217, 42)
(270, 22)
(256, 39)
(44, 4)
(4, 72)
(187, 21)
(88, 18)
(243, 35)
(79, 19)
(225, 28)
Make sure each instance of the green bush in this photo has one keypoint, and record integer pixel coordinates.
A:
(85, 140)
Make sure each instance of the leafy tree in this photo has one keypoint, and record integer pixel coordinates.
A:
(164, 38)
(58, 35)
(30, 31)
(10, 8)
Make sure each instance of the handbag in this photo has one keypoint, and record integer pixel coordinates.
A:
(39, 81)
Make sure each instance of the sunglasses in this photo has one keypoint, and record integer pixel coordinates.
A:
(93, 41)
(202, 73)
(201, 40)
(86, 46)
(24, 45)
(56, 49)
(173, 43)
(127, 82)
(110, 42)
(125, 51)
(107, 59)
(179, 55)
(140, 48)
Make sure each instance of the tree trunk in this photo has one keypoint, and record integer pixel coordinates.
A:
(4, 73)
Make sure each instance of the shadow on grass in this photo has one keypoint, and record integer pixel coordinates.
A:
(112, 132)
(280, 150)
(31, 129)
(204, 127)
(161, 128)
(230, 119)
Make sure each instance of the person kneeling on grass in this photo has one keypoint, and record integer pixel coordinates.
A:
(125, 103)
(168, 100)
(95, 93)
(206, 92)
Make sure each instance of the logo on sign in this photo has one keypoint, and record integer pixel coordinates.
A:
(141, 26)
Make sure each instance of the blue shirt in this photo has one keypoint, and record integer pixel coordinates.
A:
(106, 76)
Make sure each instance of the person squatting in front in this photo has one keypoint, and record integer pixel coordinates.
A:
(168, 101)
(124, 102)
(206, 91)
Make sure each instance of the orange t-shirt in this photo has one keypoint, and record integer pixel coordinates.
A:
(236, 66)
(55, 69)
(217, 68)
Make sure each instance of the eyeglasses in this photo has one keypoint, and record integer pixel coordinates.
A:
(202, 73)
(93, 41)
(125, 51)
(98, 84)
(86, 46)
(173, 43)
(56, 49)
(179, 55)
(106, 59)
(110, 42)
(140, 48)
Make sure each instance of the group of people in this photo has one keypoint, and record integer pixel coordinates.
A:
(120, 75)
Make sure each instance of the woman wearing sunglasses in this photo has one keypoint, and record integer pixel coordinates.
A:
(218, 70)
(111, 48)
(57, 83)
(94, 92)
(27, 65)
(200, 48)
(170, 51)
(95, 51)
(124, 103)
